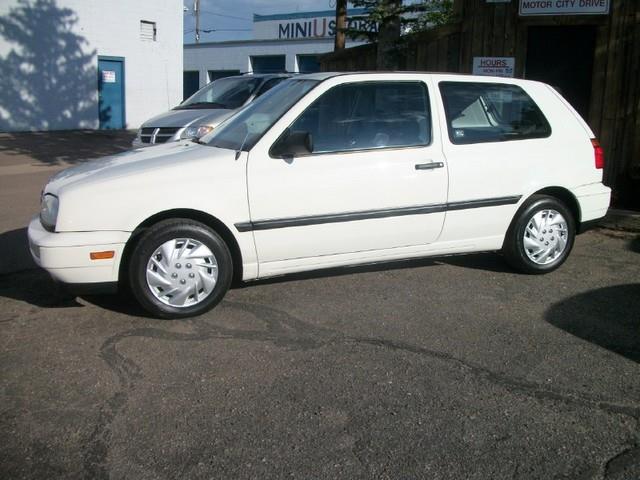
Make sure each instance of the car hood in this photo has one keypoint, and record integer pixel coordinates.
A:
(184, 118)
(141, 161)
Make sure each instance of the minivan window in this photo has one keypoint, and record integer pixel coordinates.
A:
(269, 84)
(243, 130)
(491, 112)
(368, 115)
(226, 93)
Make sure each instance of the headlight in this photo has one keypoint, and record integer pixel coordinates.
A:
(195, 131)
(49, 211)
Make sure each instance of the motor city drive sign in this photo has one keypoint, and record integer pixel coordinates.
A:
(494, 66)
(564, 7)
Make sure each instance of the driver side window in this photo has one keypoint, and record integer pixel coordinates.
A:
(368, 115)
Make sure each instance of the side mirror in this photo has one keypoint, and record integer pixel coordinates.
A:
(292, 144)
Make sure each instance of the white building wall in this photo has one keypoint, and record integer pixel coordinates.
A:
(236, 55)
(62, 91)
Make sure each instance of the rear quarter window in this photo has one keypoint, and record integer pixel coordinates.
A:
(491, 112)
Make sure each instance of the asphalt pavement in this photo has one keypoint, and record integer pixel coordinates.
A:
(445, 368)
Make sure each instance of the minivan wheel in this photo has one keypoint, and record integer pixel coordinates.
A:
(180, 268)
(541, 235)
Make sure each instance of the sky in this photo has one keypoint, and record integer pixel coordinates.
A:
(234, 18)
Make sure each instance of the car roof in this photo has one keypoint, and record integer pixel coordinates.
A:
(438, 76)
(264, 75)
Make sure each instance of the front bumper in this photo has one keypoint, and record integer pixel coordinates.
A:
(66, 255)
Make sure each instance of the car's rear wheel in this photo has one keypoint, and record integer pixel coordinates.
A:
(180, 268)
(541, 235)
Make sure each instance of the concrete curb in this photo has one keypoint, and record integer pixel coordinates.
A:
(625, 220)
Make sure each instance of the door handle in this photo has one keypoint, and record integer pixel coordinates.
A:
(429, 166)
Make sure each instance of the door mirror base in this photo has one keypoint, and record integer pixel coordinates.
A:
(292, 144)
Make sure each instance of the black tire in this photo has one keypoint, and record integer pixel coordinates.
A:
(151, 240)
(514, 244)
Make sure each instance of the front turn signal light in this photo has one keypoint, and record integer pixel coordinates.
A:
(102, 255)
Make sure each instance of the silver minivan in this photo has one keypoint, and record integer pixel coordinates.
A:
(205, 109)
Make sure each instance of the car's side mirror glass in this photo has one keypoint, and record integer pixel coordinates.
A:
(292, 144)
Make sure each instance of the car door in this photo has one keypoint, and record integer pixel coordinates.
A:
(376, 178)
(497, 143)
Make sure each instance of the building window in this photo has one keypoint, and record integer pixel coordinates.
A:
(216, 74)
(308, 63)
(268, 64)
(190, 83)
(148, 31)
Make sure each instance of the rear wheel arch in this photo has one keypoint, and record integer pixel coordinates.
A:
(566, 197)
(196, 215)
(560, 193)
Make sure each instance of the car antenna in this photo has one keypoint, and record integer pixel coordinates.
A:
(239, 150)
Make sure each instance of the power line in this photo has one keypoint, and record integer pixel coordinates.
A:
(219, 30)
(226, 16)
(227, 30)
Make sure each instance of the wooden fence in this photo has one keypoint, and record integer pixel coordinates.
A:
(497, 30)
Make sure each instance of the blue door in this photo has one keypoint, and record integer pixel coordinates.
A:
(111, 92)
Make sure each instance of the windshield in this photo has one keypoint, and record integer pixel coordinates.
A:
(228, 93)
(243, 130)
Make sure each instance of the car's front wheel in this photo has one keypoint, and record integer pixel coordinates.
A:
(180, 268)
(541, 235)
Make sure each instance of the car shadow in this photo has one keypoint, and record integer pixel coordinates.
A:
(16, 256)
(634, 245)
(608, 317)
(37, 288)
(120, 302)
(487, 261)
(491, 262)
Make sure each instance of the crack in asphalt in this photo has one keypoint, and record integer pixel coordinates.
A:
(287, 331)
(619, 463)
(512, 384)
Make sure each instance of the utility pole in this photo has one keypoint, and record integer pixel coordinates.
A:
(196, 12)
(341, 24)
(388, 35)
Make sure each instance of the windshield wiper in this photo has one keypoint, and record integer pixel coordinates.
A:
(201, 105)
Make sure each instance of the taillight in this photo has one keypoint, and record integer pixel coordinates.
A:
(598, 152)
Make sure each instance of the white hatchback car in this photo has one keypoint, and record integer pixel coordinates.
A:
(327, 170)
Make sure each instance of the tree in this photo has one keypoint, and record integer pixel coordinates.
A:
(49, 77)
(394, 17)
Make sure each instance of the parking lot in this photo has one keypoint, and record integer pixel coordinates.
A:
(445, 368)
